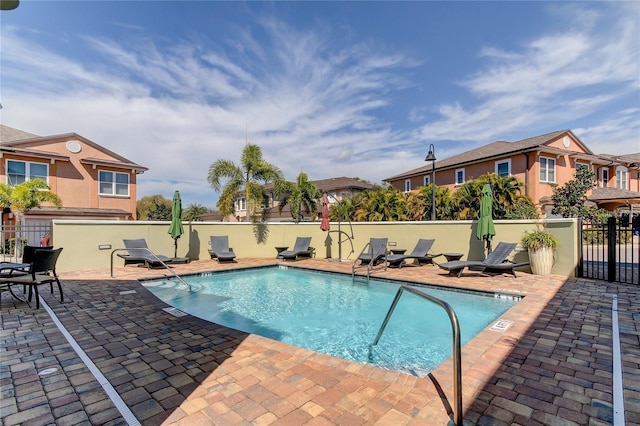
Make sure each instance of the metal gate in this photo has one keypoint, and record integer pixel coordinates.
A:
(14, 238)
(610, 252)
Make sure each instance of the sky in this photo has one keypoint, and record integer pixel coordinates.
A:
(357, 89)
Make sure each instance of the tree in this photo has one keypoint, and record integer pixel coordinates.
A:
(26, 196)
(507, 192)
(419, 203)
(342, 211)
(301, 196)
(571, 199)
(383, 203)
(153, 207)
(160, 211)
(524, 208)
(193, 212)
(246, 176)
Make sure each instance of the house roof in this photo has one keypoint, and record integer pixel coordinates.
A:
(34, 153)
(335, 184)
(77, 211)
(612, 194)
(14, 140)
(100, 162)
(500, 149)
(632, 159)
(8, 134)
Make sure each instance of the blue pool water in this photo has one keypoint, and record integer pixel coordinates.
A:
(332, 314)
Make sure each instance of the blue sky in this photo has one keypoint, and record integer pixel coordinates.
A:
(357, 89)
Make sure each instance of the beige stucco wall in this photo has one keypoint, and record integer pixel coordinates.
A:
(81, 239)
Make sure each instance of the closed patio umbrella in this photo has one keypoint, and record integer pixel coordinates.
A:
(324, 225)
(486, 230)
(175, 230)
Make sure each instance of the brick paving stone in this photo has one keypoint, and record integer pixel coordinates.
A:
(556, 356)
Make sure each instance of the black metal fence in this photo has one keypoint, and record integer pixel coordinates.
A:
(610, 252)
(14, 238)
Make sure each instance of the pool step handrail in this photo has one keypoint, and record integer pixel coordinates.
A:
(457, 360)
(155, 256)
(369, 265)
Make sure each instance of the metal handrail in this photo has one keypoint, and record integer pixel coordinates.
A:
(371, 264)
(157, 259)
(457, 360)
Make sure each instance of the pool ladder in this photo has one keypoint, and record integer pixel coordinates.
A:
(455, 326)
(368, 248)
(156, 258)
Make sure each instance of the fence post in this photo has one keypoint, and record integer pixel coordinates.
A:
(611, 249)
(580, 268)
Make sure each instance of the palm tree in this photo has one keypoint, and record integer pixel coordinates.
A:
(244, 176)
(301, 196)
(506, 193)
(383, 203)
(193, 212)
(419, 203)
(24, 197)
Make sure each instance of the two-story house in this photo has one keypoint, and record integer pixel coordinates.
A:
(538, 162)
(92, 181)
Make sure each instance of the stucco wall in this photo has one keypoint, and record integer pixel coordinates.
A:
(81, 239)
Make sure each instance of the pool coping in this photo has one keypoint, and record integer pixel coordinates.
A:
(382, 280)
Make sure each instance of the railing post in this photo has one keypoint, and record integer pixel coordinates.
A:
(611, 249)
(457, 353)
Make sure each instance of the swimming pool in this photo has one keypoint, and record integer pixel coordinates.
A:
(332, 314)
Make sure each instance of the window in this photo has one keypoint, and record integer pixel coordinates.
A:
(621, 177)
(113, 183)
(547, 169)
(241, 204)
(604, 177)
(582, 166)
(407, 185)
(459, 176)
(427, 179)
(21, 171)
(503, 168)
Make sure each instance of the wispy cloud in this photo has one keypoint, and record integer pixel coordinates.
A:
(304, 98)
(312, 100)
(554, 79)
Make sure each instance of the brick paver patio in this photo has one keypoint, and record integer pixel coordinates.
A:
(552, 366)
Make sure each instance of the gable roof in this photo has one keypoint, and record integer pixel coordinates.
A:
(18, 141)
(335, 184)
(8, 134)
(500, 149)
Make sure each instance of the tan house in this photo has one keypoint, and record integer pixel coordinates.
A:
(538, 162)
(93, 182)
(337, 189)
